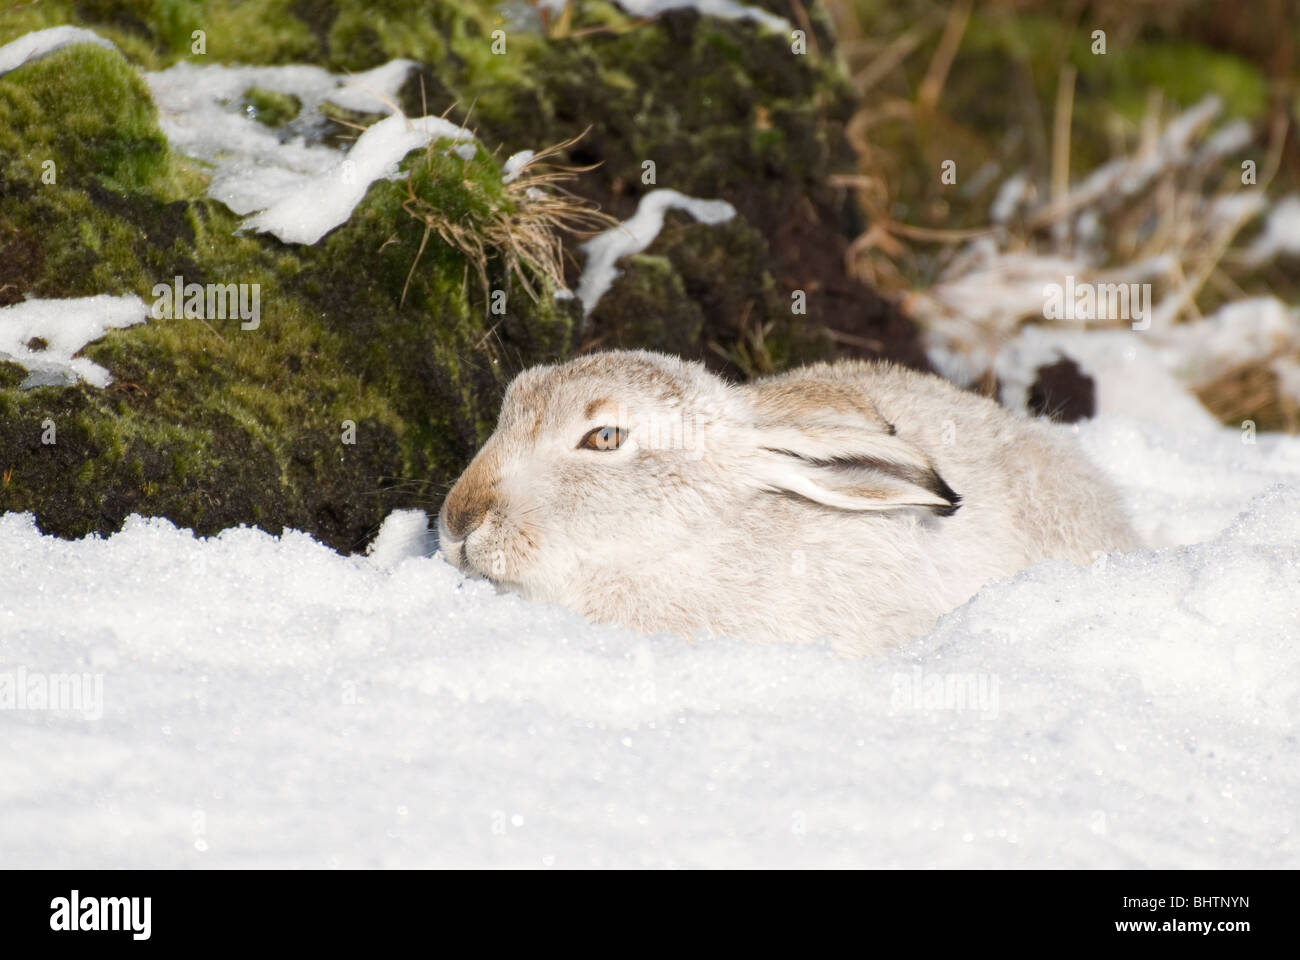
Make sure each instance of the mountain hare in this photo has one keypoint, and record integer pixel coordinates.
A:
(852, 502)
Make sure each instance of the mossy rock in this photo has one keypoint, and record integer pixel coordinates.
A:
(344, 403)
(668, 299)
(369, 383)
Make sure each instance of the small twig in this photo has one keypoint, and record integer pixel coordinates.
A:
(888, 60)
(941, 63)
(1062, 122)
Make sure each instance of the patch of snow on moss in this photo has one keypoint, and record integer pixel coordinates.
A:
(44, 336)
(40, 43)
(317, 204)
(635, 234)
(298, 187)
(722, 9)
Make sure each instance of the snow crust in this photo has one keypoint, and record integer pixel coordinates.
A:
(722, 9)
(41, 43)
(635, 234)
(266, 701)
(295, 186)
(317, 204)
(66, 326)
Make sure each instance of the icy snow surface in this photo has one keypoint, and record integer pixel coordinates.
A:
(1281, 233)
(40, 43)
(269, 702)
(302, 188)
(66, 326)
(723, 9)
(635, 234)
(319, 203)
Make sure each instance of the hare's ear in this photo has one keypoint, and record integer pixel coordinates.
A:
(850, 460)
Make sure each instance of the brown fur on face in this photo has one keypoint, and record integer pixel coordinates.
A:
(472, 497)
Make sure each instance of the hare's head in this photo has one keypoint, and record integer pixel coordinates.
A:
(598, 464)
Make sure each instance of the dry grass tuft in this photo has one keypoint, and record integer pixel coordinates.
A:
(1252, 391)
(518, 224)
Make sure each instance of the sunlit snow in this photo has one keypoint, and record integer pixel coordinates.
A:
(266, 701)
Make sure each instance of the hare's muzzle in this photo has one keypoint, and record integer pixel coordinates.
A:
(466, 507)
(461, 515)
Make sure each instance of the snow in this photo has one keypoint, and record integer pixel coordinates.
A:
(1241, 332)
(66, 326)
(1011, 195)
(266, 701)
(1175, 144)
(635, 234)
(316, 205)
(40, 43)
(405, 533)
(297, 188)
(1185, 485)
(202, 113)
(515, 164)
(1128, 375)
(1287, 372)
(1147, 374)
(722, 9)
(1281, 234)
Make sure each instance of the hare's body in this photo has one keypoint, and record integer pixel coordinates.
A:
(851, 502)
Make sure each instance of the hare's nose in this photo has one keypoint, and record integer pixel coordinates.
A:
(468, 503)
(462, 519)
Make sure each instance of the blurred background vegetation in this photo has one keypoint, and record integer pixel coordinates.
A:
(984, 81)
(1018, 90)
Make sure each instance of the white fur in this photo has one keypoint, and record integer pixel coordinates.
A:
(797, 508)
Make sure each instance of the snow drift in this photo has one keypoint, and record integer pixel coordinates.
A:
(267, 702)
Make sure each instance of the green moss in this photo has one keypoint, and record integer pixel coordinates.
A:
(457, 352)
(463, 190)
(85, 109)
(271, 107)
(1184, 72)
(206, 423)
(661, 316)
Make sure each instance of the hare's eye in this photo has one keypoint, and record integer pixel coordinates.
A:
(603, 438)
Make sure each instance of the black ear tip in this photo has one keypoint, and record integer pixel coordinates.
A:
(939, 487)
(949, 510)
